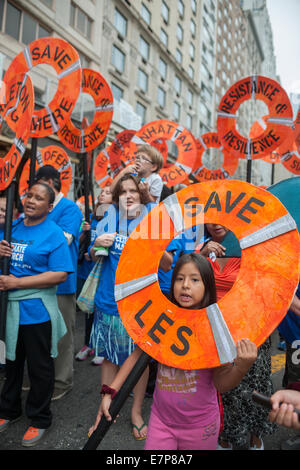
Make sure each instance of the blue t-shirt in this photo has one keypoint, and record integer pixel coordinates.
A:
(185, 242)
(84, 268)
(37, 249)
(67, 215)
(105, 298)
(290, 325)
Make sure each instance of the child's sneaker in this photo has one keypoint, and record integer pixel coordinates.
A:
(97, 360)
(84, 353)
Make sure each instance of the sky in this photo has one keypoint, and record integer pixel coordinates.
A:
(285, 19)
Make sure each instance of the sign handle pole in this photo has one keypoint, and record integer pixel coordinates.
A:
(5, 266)
(249, 170)
(118, 402)
(33, 155)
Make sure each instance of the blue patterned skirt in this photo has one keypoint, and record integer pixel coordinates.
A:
(109, 338)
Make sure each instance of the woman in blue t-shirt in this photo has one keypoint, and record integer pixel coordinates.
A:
(108, 336)
(40, 260)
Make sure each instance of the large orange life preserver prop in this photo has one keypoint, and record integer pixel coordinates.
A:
(65, 60)
(17, 112)
(279, 120)
(184, 140)
(54, 156)
(230, 164)
(258, 300)
(85, 140)
(108, 162)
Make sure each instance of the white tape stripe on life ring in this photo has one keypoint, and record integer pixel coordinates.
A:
(19, 144)
(284, 121)
(222, 114)
(223, 339)
(130, 287)
(27, 56)
(203, 143)
(176, 133)
(107, 107)
(174, 210)
(75, 66)
(198, 170)
(39, 158)
(99, 182)
(278, 227)
(138, 141)
(183, 167)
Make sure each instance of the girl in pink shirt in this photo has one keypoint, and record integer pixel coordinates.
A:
(185, 413)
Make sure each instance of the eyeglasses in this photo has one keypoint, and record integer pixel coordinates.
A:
(140, 158)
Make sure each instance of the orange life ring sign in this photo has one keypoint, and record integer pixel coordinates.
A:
(257, 129)
(108, 162)
(258, 300)
(17, 111)
(182, 138)
(54, 156)
(85, 140)
(279, 120)
(230, 164)
(65, 60)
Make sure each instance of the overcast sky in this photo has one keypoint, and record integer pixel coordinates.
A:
(285, 20)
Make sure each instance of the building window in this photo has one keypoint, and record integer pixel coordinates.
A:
(193, 27)
(13, 21)
(146, 15)
(117, 92)
(20, 25)
(181, 8)
(177, 84)
(192, 51)
(189, 121)
(165, 11)
(80, 21)
(176, 111)
(118, 59)
(178, 56)
(120, 23)
(162, 67)
(194, 6)
(144, 48)
(141, 110)
(191, 72)
(190, 97)
(179, 33)
(48, 3)
(164, 37)
(161, 97)
(142, 80)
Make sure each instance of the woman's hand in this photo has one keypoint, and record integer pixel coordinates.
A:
(213, 247)
(246, 354)
(103, 410)
(5, 249)
(283, 404)
(106, 240)
(9, 282)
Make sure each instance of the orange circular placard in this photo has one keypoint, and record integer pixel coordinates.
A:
(108, 162)
(230, 164)
(65, 60)
(184, 140)
(279, 120)
(85, 140)
(54, 156)
(258, 300)
(17, 112)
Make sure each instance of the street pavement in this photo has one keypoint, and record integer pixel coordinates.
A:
(76, 412)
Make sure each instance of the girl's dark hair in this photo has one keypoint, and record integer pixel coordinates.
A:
(48, 188)
(118, 188)
(207, 274)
